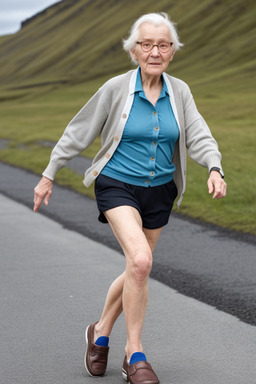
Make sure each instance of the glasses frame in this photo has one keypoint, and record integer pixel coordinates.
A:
(155, 45)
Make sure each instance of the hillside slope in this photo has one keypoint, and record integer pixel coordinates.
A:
(73, 41)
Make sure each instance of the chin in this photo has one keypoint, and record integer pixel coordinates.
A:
(155, 71)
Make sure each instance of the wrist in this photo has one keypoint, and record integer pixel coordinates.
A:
(47, 178)
(217, 169)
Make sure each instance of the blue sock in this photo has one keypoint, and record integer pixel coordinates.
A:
(102, 341)
(137, 356)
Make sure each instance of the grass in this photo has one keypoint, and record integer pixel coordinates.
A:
(50, 68)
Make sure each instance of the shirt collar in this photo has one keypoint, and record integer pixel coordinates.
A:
(138, 85)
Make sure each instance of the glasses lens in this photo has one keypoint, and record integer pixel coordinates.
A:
(146, 46)
(164, 47)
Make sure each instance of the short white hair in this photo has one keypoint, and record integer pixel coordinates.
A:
(160, 18)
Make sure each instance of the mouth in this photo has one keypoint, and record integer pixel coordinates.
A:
(155, 64)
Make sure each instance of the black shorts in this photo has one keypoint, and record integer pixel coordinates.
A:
(153, 203)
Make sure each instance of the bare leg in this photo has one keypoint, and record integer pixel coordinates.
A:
(112, 309)
(130, 290)
(152, 236)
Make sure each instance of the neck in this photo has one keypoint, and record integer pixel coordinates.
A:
(151, 82)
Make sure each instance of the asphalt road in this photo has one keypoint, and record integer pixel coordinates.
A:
(53, 283)
(205, 262)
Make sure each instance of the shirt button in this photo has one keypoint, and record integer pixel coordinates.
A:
(154, 113)
(147, 181)
(124, 116)
(156, 128)
(116, 138)
(152, 158)
(95, 173)
(152, 173)
(154, 143)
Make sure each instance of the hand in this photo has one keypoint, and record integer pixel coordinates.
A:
(216, 185)
(42, 191)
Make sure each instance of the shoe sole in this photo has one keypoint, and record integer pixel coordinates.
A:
(86, 340)
(124, 374)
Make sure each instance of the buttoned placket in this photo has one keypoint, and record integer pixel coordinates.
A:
(155, 138)
(153, 147)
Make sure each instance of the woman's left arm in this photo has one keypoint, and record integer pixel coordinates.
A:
(202, 147)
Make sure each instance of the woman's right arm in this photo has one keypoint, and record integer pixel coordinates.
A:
(42, 191)
(79, 134)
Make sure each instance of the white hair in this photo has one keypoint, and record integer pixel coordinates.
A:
(160, 18)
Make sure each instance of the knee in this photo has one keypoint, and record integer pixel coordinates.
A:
(141, 266)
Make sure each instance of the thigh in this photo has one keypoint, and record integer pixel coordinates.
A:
(152, 236)
(126, 224)
(111, 193)
(156, 204)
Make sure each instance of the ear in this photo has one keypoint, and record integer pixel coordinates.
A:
(133, 53)
(172, 56)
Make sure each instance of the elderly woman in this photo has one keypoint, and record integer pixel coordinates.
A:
(146, 120)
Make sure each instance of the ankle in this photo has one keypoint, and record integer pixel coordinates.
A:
(96, 333)
(100, 331)
(130, 351)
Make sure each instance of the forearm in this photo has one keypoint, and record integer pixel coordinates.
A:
(202, 147)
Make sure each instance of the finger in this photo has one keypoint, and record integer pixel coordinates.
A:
(47, 198)
(217, 191)
(36, 206)
(220, 190)
(223, 191)
(42, 192)
(37, 203)
(216, 194)
(210, 186)
(38, 199)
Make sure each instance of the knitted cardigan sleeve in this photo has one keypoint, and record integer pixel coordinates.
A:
(202, 147)
(80, 133)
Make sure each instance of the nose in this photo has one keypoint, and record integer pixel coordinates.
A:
(155, 50)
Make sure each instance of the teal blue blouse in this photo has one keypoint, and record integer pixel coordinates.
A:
(144, 155)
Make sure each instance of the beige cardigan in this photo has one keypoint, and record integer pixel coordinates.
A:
(106, 114)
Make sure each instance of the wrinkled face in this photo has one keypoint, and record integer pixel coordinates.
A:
(153, 63)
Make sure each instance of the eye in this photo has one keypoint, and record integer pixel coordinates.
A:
(146, 45)
(164, 45)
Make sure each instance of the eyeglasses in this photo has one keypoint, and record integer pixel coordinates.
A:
(163, 47)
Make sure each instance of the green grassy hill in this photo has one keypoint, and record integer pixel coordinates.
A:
(61, 56)
(75, 41)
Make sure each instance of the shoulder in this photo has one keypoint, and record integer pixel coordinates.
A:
(180, 89)
(118, 81)
(116, 88)
(178, 83)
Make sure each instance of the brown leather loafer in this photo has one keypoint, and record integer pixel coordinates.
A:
(139, 373)
(96, 357)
